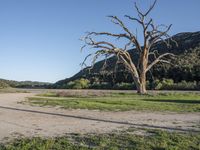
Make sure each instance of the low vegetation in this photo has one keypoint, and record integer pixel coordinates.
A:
(164, 84)
(23, 84)
(131, 139)
(78, 84)
(175, 102)
(12, 90)
(3, 85)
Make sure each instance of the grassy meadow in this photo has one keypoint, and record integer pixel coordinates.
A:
(129, 139)
(173, 102)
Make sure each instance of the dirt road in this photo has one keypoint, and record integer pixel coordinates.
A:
(23, 120)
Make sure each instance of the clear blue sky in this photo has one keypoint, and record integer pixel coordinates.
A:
(39, 39)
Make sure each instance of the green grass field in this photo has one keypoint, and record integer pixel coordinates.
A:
(174, 102)
(149, 140)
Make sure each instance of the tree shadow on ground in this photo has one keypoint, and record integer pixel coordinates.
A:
(148, 126)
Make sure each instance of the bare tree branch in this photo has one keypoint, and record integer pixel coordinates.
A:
(151, 35)
(151, 8)
(141, 14)
(121, 24)
(111, 34)
(159, 59)
(135, 19)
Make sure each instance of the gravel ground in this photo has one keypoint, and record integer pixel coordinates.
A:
(17, 119)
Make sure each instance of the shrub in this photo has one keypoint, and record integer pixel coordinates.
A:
(124, 86)
(78, 84)
(84, 83)
(3, 85)
(102, 85)
(168, 84)
(156, 85)
(183, 85)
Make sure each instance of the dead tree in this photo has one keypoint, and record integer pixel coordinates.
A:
(151, 34)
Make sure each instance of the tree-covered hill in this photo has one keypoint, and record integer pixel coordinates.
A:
(23, 84)
(185, 67)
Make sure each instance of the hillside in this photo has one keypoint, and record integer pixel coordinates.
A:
(23, 84)
(186, 66)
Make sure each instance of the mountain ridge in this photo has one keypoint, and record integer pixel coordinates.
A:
(186, 41)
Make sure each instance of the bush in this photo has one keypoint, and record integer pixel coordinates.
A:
(124, 86)
(168, 84)
(183, 85)
(156, 85)
(69, 85)
(103, 85)
(83, 82)
(3, 85)
(78, 84)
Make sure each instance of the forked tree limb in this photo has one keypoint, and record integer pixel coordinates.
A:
(159, 59)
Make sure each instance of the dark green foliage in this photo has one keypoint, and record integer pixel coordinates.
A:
(186, 67)
(102, 85)
(25, 84)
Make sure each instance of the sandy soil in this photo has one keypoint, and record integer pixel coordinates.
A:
(22, 120)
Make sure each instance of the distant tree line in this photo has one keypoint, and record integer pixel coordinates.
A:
(23, 84)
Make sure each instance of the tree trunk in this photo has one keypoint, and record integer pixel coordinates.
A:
(142, 86)
(142, 75)
(143, 61)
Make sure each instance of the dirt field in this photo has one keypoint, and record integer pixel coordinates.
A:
(23, 120)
